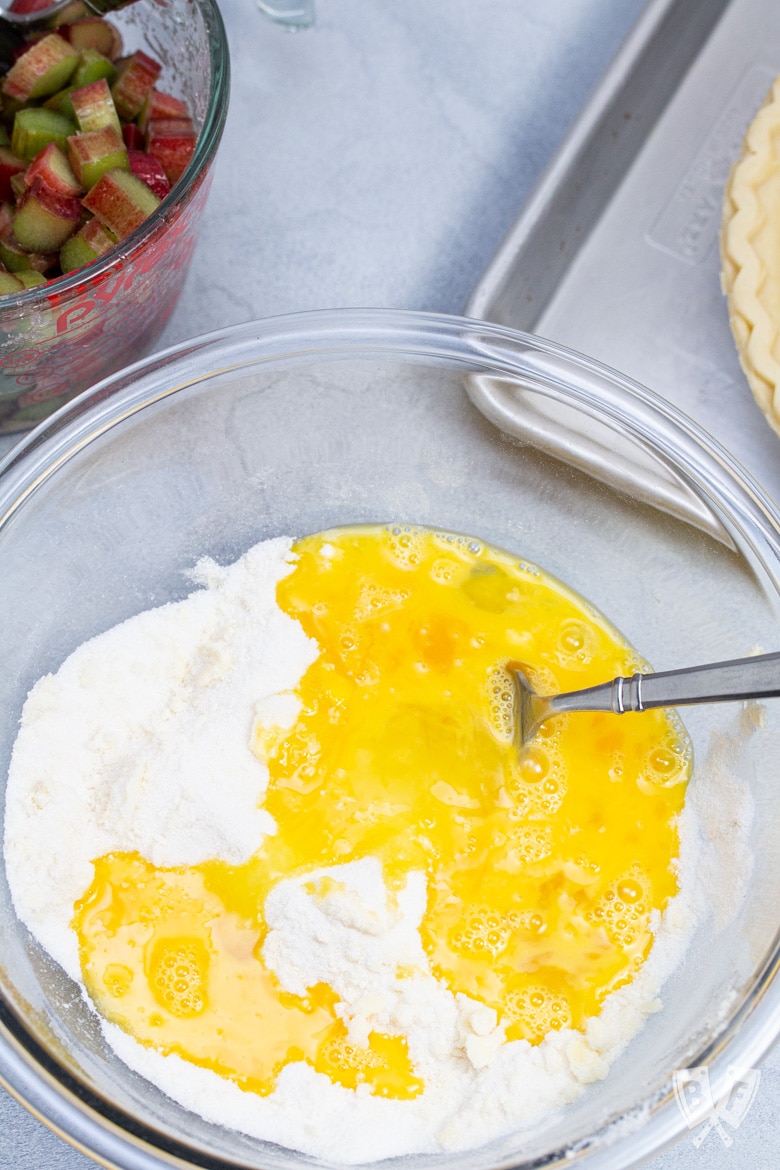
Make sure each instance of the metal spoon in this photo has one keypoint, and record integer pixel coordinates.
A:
(740, 678)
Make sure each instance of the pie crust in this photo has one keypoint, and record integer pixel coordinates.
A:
(750, 255)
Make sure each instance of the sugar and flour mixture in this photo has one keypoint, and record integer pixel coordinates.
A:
(280, 833)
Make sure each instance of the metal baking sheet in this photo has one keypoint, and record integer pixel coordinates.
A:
(616, 252)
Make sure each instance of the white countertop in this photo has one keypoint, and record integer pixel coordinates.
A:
(378, 159)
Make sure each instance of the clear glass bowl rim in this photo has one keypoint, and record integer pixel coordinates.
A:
(205, 149)
(32, 1075)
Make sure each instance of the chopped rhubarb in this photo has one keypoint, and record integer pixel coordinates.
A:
(12, 257)
(161, 105)
(17, 260)
(92, 66)
(94, 107)
(30, 278)
(136, 77)
(75, 13)
(10, 164)
(35, 128)
(10, 283)
(134, 139)
(172, 141)
(43, 69)
(170, 126)
(75, 253)
(96, 152)
(46, 219)
(75, 117)
(60, 102)
(121, 201)
(97, 236)
(148, 168)
(91, 241)
(91, 32)
(55, 170)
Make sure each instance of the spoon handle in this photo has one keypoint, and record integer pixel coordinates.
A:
(740, 678)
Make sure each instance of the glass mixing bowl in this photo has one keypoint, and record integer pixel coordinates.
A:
(312, 421)
(61, 337)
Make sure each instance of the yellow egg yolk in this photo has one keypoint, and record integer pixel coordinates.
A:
(543, 868)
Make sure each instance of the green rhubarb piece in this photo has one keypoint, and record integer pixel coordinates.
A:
(94, 107)
(13, 257)
(136, 77)
(42, 69)
(93, 66)
(10, 283)
(94, 153)
(97, 236)
(30, 278)
(61, 103)
(159, 104)
(55, 171)
(33, 261)
(91, 241)
(39, 229)
(16, 260)
(5, 137)
(75, 253)
(35, 128)
(121, 202)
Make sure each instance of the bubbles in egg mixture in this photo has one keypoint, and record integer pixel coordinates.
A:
(668, 761)
(373, 600)
(178, 972)
(117, 979)
(500, 696)
(481, 932)
(624, 908)
(533, 1011)
(531, 843)
(539, 782)
(443, 571)
(383, 1065)
(405, 545)
(576, 644)
(543, 868)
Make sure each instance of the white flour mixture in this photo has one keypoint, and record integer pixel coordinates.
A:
(141, 742)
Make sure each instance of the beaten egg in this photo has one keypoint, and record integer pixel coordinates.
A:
(545, 868)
